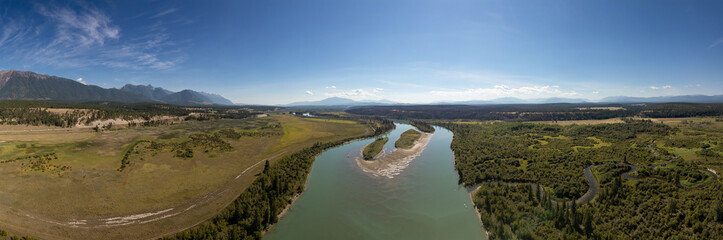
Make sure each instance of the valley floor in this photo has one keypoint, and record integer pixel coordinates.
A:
(142, 182)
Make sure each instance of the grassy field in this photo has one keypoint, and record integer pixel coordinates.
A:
(407, 139)
(374, 148)
(70, 184)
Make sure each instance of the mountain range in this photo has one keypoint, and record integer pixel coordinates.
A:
(25, 85)
(337, 102)
(185, 97)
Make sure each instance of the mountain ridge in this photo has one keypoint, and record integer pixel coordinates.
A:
(345, 102)
(184, 97)
(27, 85)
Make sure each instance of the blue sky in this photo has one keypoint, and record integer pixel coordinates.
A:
(275, 52)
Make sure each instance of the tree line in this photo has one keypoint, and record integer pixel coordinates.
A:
(258, 207)
(542, 112)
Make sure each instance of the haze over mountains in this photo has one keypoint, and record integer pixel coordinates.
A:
(337, 101)
(185, 97)
(344, 102)
(25, 85)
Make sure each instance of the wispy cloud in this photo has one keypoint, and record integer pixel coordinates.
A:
(87, 27)
(331, 87)
(309, 92)
(654, 87)
(666, 87)
(165, 12)
(81, 35)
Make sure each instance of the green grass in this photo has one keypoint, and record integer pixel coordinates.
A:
(374, 148)
(407, 139)
(331, 120)
(155, 180)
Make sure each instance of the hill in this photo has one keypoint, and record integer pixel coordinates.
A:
(23, 85)
(185, 97)
(147, 90)
(339, 102)
(26, 85)
(664, 99)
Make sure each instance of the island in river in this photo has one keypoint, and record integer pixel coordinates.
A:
(391, 164)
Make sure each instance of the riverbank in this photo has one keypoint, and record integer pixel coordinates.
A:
(476, 211)
(393, 163)
(424, 202)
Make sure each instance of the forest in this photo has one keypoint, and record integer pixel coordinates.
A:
(422, 126)
(666, 197)
(37, 113)
(542, 112)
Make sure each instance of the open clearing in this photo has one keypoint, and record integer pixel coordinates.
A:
(70, 185)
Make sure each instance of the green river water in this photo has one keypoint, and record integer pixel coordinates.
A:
(343, 202)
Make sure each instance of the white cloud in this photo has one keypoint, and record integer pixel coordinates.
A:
(697, 85)
(661, 87)
(506, 91)
(80, 80)
(595, 92)
(331, 87)
(309, 92)
(87, 28)
(355, 94)
(376, 90)
(81, 35)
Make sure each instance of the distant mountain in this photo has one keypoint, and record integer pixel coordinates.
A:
(185, 97)
(561, 100)
(23, 85)
(512, 100)
(683, 98)
(216, 98)
(340, 102)
(147, 90)
(615, 99)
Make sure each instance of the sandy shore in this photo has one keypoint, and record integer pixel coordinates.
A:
(393, 163)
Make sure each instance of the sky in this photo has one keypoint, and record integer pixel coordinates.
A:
(277, 52)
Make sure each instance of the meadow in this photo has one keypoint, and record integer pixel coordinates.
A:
(375, 148)
(145, 181)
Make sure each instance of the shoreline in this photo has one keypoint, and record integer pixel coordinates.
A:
(393, 163)
(289, 205)
(306, 185)
(476, 211)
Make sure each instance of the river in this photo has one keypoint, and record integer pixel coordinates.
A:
(343, 202)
